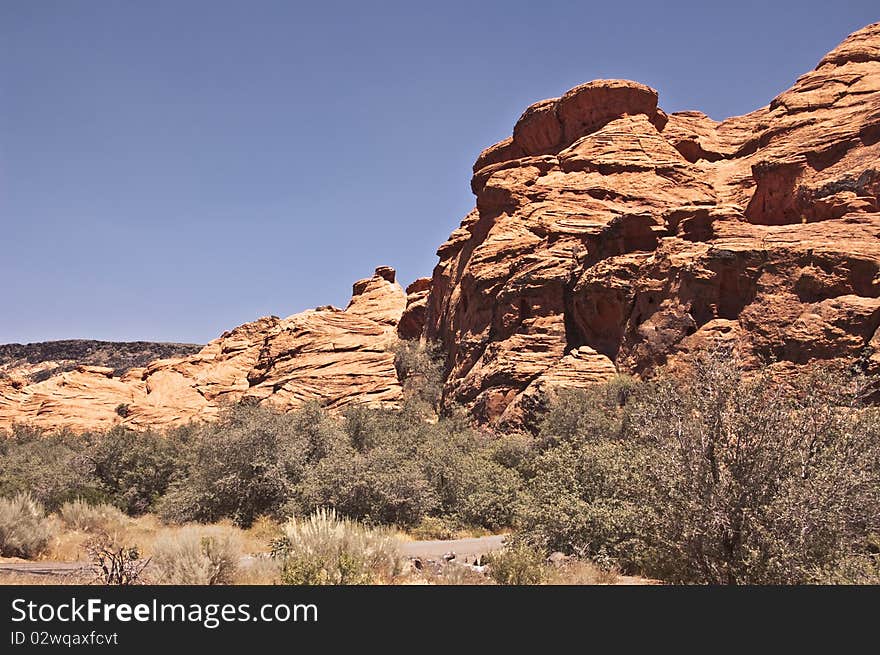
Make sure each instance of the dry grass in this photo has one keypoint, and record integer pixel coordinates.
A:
(70, 545)
(85, 517)
(328, 549)
(578, 572)
(263, 531)
(196, 555)
(583, 572)
(259, 571)
(24, 529)
(458, 574)
(182, 553)
(527, 570)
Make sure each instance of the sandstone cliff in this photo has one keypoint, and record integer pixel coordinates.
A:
(334, 356)
(609, 236)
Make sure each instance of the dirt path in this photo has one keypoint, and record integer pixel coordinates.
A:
(463, 548)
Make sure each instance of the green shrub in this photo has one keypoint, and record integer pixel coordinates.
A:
(249, 463)
(517, 564)
(86, 517)
(382, 486)
(400, 467)
(325, 549)
(433, 528)
(593, 499)
(196, 555)
(516, 451)
(596, 413)
(24, 529)
(421, 370)
(135, 469)
(380, 466)
(471, 486)
(489, 495)
(53, 468)
(712, 476)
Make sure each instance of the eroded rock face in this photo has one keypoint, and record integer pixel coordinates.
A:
(334, 356)
(608, 236)
(412, 323)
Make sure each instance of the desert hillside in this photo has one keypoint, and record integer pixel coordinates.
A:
(608, 236)
(33, 362)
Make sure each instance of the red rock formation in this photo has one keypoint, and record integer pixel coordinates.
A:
(608, 236)
(336, 357)
(412, 323)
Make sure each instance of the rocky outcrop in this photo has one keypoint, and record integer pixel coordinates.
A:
(611, 237)
(33, 362)
(378, 298)
(336, 357)
(412, 322)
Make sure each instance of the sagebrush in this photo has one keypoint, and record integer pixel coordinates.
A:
(196, 555)
(24, 529)
(326, 549)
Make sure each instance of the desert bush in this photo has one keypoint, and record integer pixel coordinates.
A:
(249, 463)
(399, 467)
(593, 499)
(517, 564)
(114, 563)
(364, 426)
(379, 466)
(714, 476)
(382, 486)
(325, 549)
(470, 484)
(196, 555)
(768, 481)
(87, 517)
(860, 567)
(53, 468)
(516, 451)
(432, 528)
(135, 469)
(421, 370)
(490, 495)
(376, 476)
(576, 414)
(24, 529)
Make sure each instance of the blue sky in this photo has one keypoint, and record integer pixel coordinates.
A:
(169, 170)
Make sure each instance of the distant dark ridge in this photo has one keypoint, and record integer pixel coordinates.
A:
(70, 353)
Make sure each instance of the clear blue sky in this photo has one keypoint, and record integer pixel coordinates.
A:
(171, 169)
